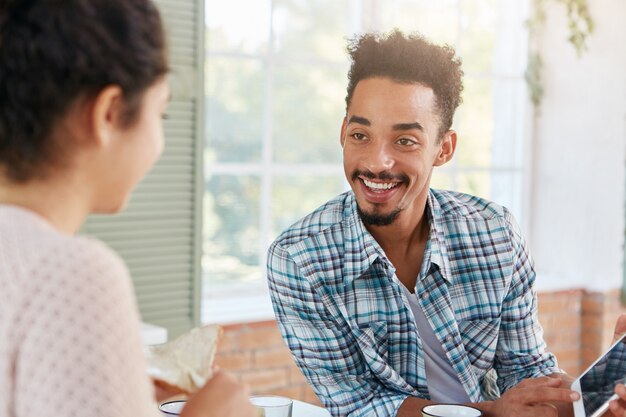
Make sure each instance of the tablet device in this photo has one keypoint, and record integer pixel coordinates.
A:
(596, 385)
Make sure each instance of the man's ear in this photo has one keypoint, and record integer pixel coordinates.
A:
(342, 138)
(106, 115)
(447, 146)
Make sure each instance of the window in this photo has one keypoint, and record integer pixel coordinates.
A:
(275, 89)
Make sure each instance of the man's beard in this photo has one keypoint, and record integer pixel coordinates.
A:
(375, 219)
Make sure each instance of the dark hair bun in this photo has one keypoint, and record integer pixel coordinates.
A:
(55, 51)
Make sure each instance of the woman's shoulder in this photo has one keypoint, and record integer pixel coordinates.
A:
(37, 252)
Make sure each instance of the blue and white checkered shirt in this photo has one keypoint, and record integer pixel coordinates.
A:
(343, 314)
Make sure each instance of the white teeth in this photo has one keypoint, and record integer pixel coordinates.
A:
(380, 186)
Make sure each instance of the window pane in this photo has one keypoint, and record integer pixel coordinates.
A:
(474, 124)
(505, 188)
(231, 229)
(311, 29)
(441, 180)
(511, 38)
(238, 25)
(295, 197)
(307, 114)
(475, 183)
(436, 20)
(234, 123)
(478, 35)
(509, 105)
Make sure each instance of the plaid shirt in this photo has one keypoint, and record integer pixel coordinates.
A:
(343, 314)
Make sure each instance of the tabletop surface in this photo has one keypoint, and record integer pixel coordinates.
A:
(302, 409)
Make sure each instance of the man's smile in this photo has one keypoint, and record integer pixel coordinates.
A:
(378, 191)
(379, 186)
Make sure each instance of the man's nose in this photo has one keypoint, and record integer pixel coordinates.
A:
(379, 157)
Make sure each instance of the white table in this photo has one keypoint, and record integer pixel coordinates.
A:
(152, 334)
(302, 409)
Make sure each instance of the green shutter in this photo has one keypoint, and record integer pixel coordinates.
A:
(159, 235)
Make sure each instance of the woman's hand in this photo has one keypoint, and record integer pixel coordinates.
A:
(164, 391)
(222, 396)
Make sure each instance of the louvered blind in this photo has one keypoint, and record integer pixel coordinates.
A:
(159, 235)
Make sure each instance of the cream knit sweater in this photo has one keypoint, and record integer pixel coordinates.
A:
(69, 326)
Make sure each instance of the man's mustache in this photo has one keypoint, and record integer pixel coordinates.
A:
(382, 176)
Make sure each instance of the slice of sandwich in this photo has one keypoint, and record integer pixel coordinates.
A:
(185, 363)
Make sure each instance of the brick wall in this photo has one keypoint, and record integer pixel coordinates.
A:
(600, 310)
(256, 353)
(577, 324)
(560, 315)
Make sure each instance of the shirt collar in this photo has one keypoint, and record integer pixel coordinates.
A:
(437, 237)
(362, 250)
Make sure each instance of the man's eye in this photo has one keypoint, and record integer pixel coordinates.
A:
(406, 142)
(358, 136)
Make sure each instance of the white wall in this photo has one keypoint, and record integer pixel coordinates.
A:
(579, 152)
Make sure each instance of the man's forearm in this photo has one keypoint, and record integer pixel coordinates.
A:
(411, 406)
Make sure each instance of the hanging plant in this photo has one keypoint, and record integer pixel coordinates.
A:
(580, 26)
(579, 22)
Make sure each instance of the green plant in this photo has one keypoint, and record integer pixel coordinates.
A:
(580, 26)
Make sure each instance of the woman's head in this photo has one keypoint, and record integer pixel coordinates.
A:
(56, 55)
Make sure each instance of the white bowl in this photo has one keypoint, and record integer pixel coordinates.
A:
(172, 408)
(450, 410)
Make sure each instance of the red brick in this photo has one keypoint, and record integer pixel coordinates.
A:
(260, 338)
(235, 328)
(234, 361)
(572, 355)
(273, 358)
(559, 302)
(592, 321)
(228, 342)
(310, 397)
(593, 303)
(262, 324)
(588, 356)
(296, 377)
(571, 368)
(260, 380)
(293, 392)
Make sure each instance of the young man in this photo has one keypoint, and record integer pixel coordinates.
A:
(394, 295)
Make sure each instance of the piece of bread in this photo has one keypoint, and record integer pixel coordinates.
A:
(185, 363)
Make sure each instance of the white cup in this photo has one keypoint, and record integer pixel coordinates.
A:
(450, 410)
(172, 408)
(272, 405)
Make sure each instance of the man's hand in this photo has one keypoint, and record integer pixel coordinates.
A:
(533, 398)
(620, 327)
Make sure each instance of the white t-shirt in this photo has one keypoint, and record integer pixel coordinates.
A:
(443, 382)
(69, 326)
